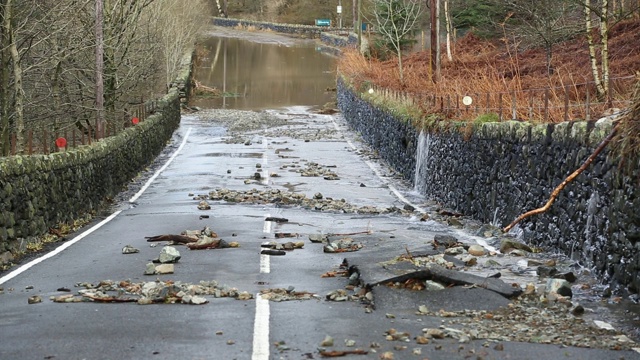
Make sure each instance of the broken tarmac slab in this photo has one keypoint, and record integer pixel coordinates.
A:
(453, 277)
(456, 298)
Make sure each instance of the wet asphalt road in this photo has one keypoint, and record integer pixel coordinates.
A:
(234, 329)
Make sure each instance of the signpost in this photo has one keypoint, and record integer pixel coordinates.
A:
(323, 22)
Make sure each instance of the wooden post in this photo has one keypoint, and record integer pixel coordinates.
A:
(514, 113)
(566, 103)
(546, 105)
(477, 98)
(500, 107)
(44, 142)
(30, 141)
(588, 106)
(488, 103)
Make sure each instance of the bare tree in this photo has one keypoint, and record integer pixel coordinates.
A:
(174, 34)
(396, 20)
(18, 93)
(542, 23)
(47, 61)
(435, 40)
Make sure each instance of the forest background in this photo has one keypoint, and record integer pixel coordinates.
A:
(539, 55)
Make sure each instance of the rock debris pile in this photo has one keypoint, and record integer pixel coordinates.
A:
(152, 292)
(275, 196)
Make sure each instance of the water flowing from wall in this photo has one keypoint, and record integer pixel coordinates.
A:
(422, 162)
(590, 244)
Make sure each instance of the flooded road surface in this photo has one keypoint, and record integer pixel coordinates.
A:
(262, 179)
(264, 71)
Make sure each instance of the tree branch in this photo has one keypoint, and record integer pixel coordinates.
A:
(570, 178)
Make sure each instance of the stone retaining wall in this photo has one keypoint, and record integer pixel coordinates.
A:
(505, 169)
(309, 31)
(38, 192)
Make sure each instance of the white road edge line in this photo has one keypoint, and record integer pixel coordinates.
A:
(261, 330)
(58, 250)
(173, 156)
(391, 187)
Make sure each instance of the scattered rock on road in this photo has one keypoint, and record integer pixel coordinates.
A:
(128, 249)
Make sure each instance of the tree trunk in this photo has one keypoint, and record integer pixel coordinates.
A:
(17, 77)
(5, 125)
(549, 48)
(592, 51)
(435, 40)
(604, 43)
(355, 14)
(447, 17)
(399, 52)
(99, 68)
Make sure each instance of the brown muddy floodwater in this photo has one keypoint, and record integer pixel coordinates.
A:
(258, 70)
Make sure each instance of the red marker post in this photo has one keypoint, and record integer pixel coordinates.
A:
(135, 121)
(61, 143)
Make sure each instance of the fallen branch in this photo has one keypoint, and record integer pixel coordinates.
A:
(205, 89)
(409, 255)
(276, 219)
(570, 178)
(335, 273)
(174, 238)
(338, 353)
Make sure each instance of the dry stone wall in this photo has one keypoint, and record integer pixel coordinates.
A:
(38, 192)
(505, 169)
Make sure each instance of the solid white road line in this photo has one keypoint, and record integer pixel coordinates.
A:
(261, 330)
(173, 156)
(58, 250)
